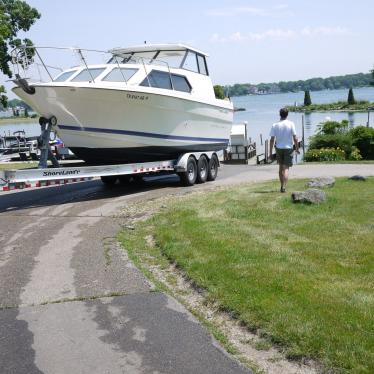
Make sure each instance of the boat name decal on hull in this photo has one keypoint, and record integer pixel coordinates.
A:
(137, 97)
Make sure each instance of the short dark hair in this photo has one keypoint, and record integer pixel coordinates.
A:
(283, 113)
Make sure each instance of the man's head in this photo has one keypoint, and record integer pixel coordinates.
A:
(283, 113)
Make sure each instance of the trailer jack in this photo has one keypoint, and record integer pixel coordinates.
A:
(46, 153)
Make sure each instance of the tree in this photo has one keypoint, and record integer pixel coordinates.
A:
(26, 112)
(351, 98)
(219, 92)
(15, 16)
(372, 75)
(307, 99)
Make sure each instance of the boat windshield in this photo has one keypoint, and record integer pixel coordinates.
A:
(173, 58)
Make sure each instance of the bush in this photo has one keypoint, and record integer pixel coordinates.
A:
(325, 154)
(363, 139)
(219, 92)
(355, 154)
(342, 141)
(333, 127)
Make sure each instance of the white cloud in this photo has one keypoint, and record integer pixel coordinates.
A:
(277, 10)
(326, 31)
(281, 34)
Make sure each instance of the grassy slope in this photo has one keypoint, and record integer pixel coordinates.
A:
(302, 275)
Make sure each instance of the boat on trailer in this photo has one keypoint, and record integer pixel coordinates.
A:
(146, 103)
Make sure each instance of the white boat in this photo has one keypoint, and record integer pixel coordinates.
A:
(147, 102)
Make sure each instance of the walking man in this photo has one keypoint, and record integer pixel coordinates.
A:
(283, 134)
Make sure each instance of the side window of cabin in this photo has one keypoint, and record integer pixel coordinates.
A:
(157, 79)
(86, 75)
(180, 83)
(202, 65)
(120, 75)
(161, 79)
(64, 76)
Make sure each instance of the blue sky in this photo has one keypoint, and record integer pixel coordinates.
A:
(248, 41)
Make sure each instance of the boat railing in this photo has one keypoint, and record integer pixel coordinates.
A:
(29, 64)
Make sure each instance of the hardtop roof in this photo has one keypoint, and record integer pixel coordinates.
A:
(156, 47)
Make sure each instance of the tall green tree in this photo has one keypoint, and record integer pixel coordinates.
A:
(351, 99)
(307, 99)
(372, 74)
(219, 92)
(15, 16)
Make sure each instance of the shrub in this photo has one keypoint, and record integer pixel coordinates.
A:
(363, 139)
(219, 92)
(342, 141)
(333, 127)
(325, 154)
(355, 154)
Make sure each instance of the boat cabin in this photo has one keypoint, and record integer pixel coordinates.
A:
(175, 67)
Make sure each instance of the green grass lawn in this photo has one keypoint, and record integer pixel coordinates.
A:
(301, 275)
(18, 165)
(361, 106)
(7, 120)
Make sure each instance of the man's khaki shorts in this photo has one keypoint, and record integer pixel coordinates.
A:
(284, 156)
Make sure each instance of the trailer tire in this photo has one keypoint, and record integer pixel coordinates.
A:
(188, 177)
(109, 180)
(213, 168)
(202, 170)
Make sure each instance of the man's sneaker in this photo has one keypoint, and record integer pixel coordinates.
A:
(282, 189)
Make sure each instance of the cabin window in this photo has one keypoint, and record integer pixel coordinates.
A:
(64, 76)
(157, 79)
(120, 75)
(161, 79)
(190, 63)
(202, 65)
(86, 75)
(180, 83)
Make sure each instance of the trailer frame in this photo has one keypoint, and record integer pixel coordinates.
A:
(24, 178)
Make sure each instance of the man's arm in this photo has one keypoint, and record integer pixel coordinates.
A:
(272, 141)
(296, 142)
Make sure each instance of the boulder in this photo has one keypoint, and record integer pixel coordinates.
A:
(310, 196)
(322, 182)
(358, 178)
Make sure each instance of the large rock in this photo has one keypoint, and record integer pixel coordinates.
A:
(322, 182)
(358, 178)
(310, 196)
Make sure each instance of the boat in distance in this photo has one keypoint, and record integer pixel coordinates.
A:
(146, 103)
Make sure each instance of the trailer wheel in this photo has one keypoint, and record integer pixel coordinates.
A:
(213, 168)
(109, 180)
(202, 170)
(188, 177)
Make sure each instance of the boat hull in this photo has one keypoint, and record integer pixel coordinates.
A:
(103, 125)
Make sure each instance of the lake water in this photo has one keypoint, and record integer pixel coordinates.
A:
(262, 111)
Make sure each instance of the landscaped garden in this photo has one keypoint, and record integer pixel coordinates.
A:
(334, 141)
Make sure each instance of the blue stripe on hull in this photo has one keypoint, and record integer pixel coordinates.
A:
(143, 134)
